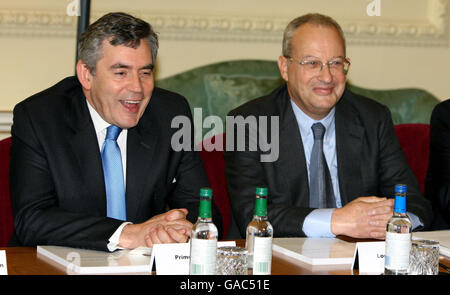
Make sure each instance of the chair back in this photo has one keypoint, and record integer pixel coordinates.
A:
(6, 216)
(215, 168)
(415, 142)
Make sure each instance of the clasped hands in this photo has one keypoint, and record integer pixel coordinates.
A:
(169, 227)
(364, 217)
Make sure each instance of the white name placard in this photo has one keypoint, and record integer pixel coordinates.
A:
(3, 266)
(369, 256)
(173, 259)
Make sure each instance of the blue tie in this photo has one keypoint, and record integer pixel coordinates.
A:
(321, 193)
(113, 172)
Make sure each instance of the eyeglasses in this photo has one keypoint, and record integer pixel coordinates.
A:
(315, 66)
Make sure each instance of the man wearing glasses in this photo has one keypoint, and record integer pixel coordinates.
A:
(339, 157)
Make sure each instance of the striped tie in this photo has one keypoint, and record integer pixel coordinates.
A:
(321, 193)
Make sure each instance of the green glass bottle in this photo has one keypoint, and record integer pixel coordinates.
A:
(204, 238)
(259, 236)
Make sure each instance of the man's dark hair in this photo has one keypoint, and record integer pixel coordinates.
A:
(119, 29)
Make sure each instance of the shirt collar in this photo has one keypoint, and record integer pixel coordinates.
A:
(100, 125)
(305, 122)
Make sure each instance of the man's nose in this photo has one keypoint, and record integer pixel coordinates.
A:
(135, 83)
(325, 73)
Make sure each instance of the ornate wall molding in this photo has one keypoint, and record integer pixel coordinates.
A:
(431, 30)
(23, 23)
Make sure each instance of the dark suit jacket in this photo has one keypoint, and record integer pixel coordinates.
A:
(438, 177)
(369, 156)
(57, 184)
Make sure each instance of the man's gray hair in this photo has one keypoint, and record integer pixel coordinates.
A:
(310, 18)
(119, 29)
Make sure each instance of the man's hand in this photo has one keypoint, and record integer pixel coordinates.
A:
(365, 217)
(168, 227)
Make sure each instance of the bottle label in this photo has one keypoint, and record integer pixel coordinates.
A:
(262, 256)
(203, 257)
(397, 250)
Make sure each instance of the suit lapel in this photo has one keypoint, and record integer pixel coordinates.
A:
(291, 150)
(349, 139)
(84, 145)
(140, 154)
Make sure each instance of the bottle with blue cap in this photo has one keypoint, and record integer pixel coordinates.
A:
(398, 236)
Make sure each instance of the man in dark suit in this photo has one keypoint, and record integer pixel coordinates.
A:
(347, 193)
(60, 187)
(438, 177)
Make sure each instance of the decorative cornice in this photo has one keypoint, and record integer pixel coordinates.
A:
(218, 28)
(432, 30)
(25, 23)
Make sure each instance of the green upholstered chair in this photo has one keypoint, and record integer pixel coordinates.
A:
(407, 105)
(220, 87)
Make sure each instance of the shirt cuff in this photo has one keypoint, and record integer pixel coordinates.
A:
(415, 221)
(317, 224)
(113, 242)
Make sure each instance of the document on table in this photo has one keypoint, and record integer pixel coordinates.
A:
(316, 251)
(82, 261)
(442, 236)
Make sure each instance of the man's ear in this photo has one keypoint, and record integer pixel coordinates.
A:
(283, 67)
(84, 75)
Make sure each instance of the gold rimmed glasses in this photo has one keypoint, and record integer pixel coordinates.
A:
(335, 66)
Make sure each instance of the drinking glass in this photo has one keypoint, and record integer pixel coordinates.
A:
(231, 261)
(424, 257)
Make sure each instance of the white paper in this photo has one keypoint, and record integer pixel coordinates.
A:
(370, 257)
(82, 261)
(3, 265)
(316, 251)
(442, 236)
(146, 251)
